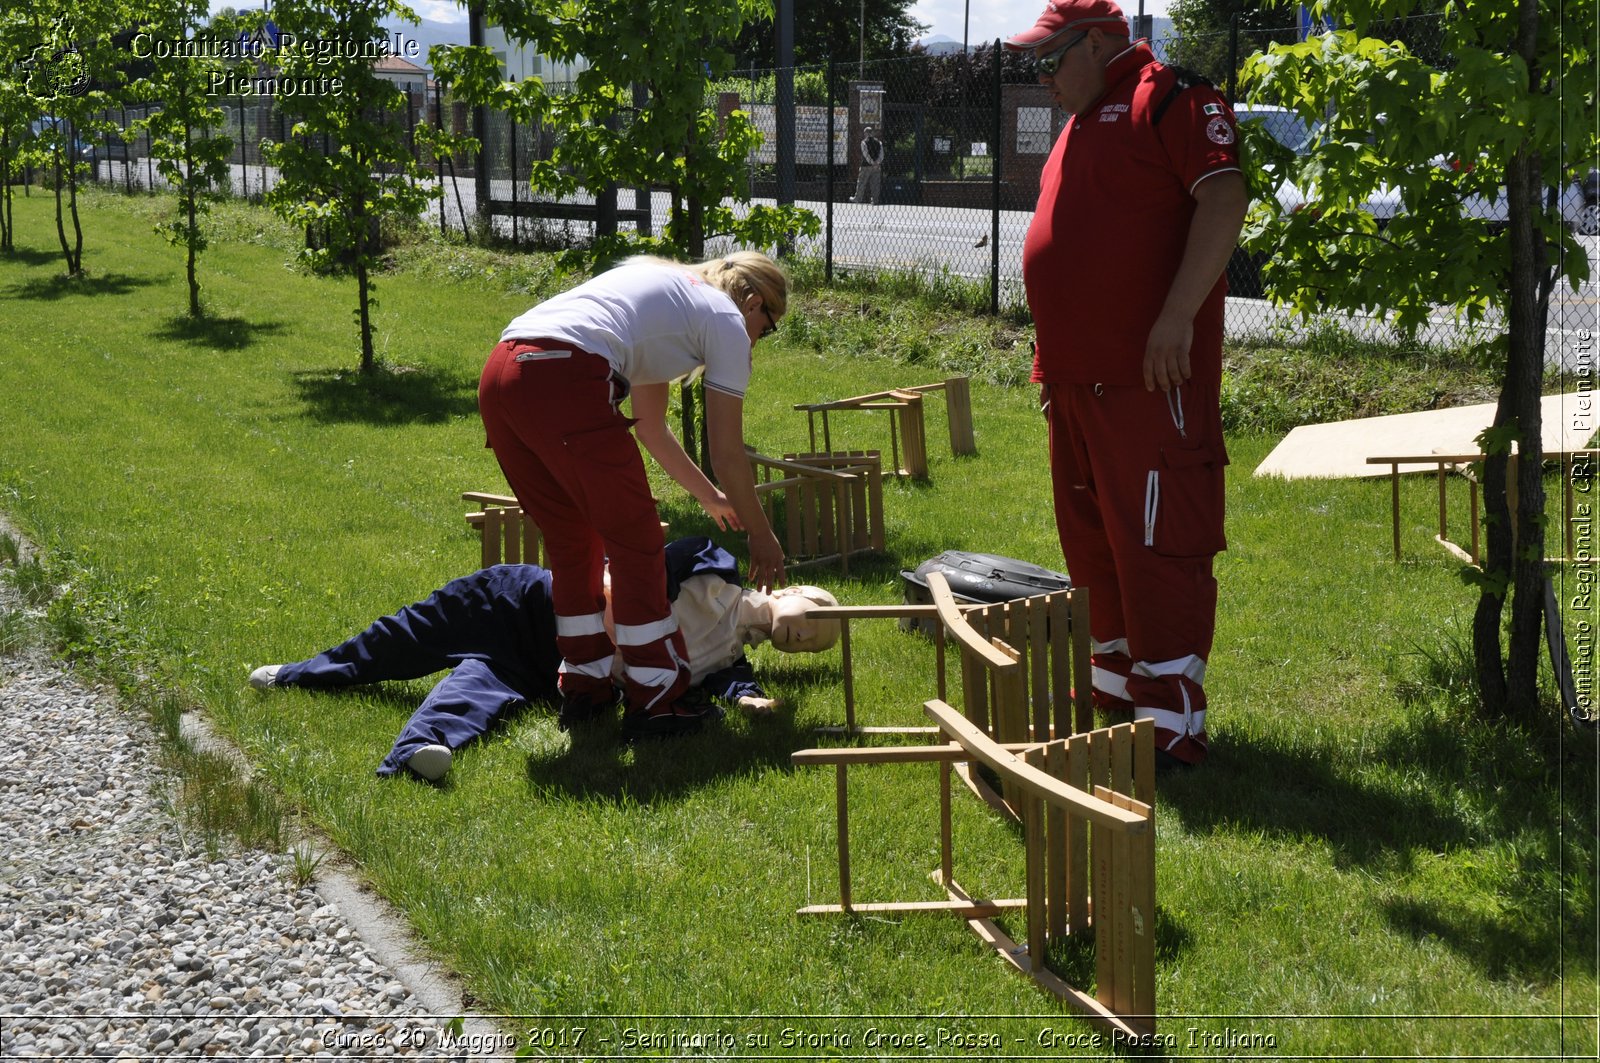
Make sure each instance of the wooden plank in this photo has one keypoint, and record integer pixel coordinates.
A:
(874, 479)
(976, 909)
(946, 842)
(840, 729)
(486, 498)
(1444, 525)
(841, 798)
(489, 538)
(944, 752)
(1033, 781)
(1141, 913)
(810, 507)
(958, 411)
(956, 624)
(1117, 919)
(913, 435)
(1058, 617)
(1099, 760)
(1122, 758)
(1010, 700)
(1037, 612)
(975, 691)
(1009, 951)
(1055, 847)
(1033, 828)
(1144, 761)
(1105, 971)
(511, 528)
(1082, 668)
(849, 676)
(1394, 504)
(1077, 853)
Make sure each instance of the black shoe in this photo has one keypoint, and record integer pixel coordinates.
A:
(578, 711)
(685, 716)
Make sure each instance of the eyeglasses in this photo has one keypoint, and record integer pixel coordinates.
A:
(1046, 66)
(772, 323)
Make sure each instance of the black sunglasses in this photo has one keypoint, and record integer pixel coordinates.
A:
(772, 323)
(1046, 66)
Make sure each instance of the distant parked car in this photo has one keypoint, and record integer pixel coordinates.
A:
(90, 151)
(112, 148)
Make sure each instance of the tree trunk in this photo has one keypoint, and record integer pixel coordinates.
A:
(364, 298)
(5, 194)
(76, 258)
(191, 235)
(61, 225)
(1526, 364)
(1515, 558)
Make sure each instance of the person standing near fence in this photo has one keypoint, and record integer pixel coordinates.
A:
(1140, 206)
(550, 397)
(869, 183)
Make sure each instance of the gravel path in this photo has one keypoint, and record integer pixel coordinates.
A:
(120, 936)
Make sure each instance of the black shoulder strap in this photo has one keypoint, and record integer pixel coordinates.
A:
(1183, 80)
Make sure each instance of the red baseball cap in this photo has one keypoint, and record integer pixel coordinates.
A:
(1063, 15)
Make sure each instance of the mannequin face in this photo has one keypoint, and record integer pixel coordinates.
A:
(791, 631)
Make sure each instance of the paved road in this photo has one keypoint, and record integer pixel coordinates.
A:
(961, 243)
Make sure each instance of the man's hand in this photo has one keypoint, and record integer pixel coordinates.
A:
(1166, 353)
(758, 706)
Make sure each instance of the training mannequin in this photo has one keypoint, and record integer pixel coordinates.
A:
(496, 630)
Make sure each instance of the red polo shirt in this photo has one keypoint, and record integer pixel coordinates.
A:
(1115, 201)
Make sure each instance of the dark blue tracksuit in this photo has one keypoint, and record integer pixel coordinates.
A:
(496, 630)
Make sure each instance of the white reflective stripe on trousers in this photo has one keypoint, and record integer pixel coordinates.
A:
(645, 634)
(579, 626)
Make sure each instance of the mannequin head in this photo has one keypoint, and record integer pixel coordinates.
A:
(791, 632)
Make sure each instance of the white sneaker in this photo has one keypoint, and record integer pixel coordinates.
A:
(265, 676)
(430, 762)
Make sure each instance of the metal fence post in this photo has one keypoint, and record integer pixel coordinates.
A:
(827, 260)
(244, 160)
(994, 219)
(516, 228)
(438, 157)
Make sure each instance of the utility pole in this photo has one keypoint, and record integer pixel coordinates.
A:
(861, 64)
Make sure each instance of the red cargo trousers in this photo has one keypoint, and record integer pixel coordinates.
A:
(552, 418)
(1138, 480)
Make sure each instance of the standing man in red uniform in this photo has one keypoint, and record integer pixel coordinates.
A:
(1140, 206)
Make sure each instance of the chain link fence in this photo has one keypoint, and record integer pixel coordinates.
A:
(962, 140)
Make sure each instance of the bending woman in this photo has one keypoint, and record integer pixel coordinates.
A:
(550, 399)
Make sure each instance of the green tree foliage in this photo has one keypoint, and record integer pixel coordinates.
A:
(190, 156)
(346, 165)
(1515, 108)
(17, 112)
(70, 73)
(670, 49)
(832, 29)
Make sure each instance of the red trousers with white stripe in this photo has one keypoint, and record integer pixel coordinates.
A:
(550, 412)
(1138, 479)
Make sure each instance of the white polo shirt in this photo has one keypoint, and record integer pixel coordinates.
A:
(653, 323)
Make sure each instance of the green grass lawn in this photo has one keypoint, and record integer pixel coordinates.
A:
(1364, 867)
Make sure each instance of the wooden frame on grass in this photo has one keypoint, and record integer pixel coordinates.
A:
(907, 431)
(1573, 462)
(825, 507)
(1050, 696)
(1087, 805)
(507, 535)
